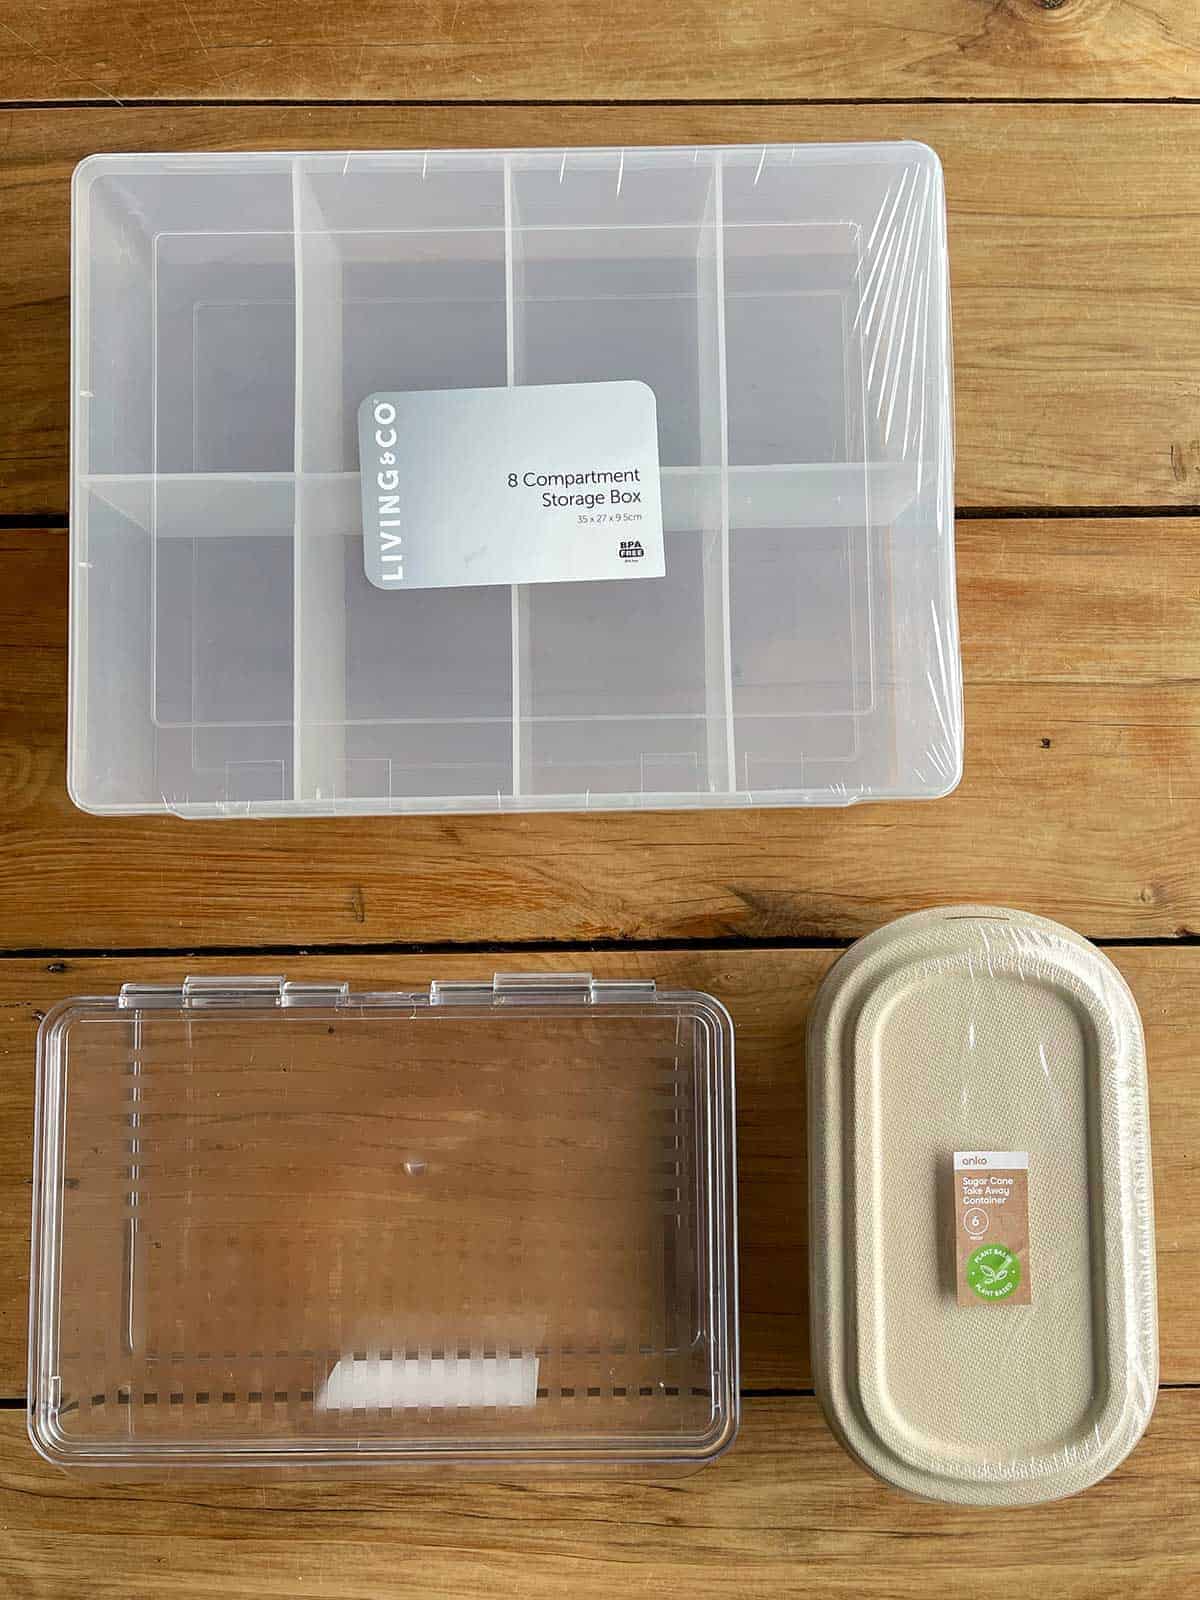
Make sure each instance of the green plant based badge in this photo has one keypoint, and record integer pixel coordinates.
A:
(993, 1272)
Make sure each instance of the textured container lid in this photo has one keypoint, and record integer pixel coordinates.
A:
(287, 1224)
(975, 1028)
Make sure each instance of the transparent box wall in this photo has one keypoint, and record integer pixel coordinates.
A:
(788, 305)
(287, 1224)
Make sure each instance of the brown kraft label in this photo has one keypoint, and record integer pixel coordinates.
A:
(991, 1227)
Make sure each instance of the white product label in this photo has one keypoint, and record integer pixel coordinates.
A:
(550, 483)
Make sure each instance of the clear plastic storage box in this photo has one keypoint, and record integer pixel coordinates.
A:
(283, 1224)
(787, 306)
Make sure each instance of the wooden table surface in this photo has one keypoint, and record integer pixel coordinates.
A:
(1070, 135)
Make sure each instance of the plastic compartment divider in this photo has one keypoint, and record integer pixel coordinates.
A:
(319, 652)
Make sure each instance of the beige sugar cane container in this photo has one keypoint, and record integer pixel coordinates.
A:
(982, 1239)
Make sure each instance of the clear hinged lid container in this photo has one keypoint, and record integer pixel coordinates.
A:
(486, 1224)
(786, 305)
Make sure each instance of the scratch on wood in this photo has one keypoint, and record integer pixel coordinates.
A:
(187, 11)
(59, 66)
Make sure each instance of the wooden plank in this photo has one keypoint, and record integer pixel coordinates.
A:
(768, 994)
(1082, 661)
(1077, 338)
(786, 1513)
(569, 50)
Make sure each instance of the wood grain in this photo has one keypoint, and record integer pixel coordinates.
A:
(1082, 662)
(572, 50)
(1072, 232)
(786, 1513)
(768, 993)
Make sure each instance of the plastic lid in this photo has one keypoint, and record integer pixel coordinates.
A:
(285, 1223)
